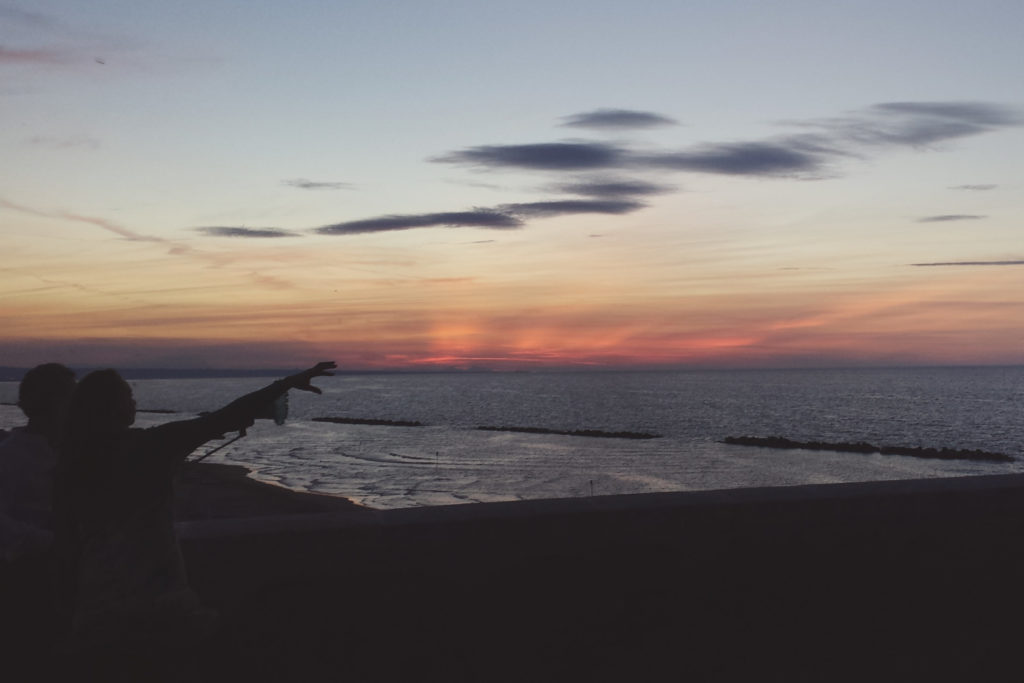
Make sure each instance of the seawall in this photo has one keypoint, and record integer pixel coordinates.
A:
(905, 580)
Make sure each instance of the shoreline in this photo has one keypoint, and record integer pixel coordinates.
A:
(221, 491)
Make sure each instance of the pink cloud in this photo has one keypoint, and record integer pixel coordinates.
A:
(14, 56)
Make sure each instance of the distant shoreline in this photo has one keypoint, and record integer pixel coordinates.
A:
(14, 374)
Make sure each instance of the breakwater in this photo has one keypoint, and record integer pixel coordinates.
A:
(597, 433)
(867, 448)
(369, 421)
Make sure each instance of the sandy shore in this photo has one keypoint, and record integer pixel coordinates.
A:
(219, 491)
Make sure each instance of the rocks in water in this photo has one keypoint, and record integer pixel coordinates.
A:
(529, 430)
(574, 432)
(866, 448)
(369, 421)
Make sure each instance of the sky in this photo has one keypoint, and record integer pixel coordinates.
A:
(511, 185)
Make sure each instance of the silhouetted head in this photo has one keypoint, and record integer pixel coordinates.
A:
(43, 396)
(102, 404)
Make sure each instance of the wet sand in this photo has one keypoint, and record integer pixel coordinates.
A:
(218, 491)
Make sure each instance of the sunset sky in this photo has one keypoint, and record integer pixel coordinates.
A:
(511, 185)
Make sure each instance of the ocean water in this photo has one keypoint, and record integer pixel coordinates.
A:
(450, 461)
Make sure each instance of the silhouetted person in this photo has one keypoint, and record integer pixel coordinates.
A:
(28, 457)
(28, 615)
(132, 611)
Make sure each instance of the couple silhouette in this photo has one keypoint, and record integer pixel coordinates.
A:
(86, 500)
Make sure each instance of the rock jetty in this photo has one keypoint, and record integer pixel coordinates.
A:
(575, 432)
(867, 448)
(369, 421)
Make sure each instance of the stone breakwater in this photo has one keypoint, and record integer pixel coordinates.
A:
(369, 421)
(574, 432)
(868, 449)
(599, 433)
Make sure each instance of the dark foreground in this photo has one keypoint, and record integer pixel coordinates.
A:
(905, 581)
(892, 581)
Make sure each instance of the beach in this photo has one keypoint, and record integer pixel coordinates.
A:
(792, 558)
(908, 580)
(205, 491)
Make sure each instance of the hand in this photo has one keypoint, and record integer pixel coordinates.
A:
(302, 380)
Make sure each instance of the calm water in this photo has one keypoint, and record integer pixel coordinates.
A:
(449, 461)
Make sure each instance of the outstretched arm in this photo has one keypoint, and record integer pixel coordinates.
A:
(303, 380)
(187, 435)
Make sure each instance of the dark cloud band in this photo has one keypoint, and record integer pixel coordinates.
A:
(975, 113)
(975, 188)
(553, 156)
(612, 188)
(493, 220)
(950, 218)
(596, 165)
(617, 119)
(572, 206)
(806, 154)
(304, 184)
(747, 158)
(223, 231)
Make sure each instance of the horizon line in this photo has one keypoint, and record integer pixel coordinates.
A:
(14, 373)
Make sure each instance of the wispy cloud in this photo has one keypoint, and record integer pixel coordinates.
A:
(174, 248)
(810, 153)
(571, 206)
(53, 40)
(744, 158)
(611, 187)
(26, 19)
(113, 227)
(975, 188)
(304, 184)
(805, 154)
(972, 263)
(913, 124)
(975, 113)
(229, 231)
(270, 281)
(33, 56)
(482, 218)
(617, 119)
(550, 156)
(502, 217)
(109, 226)
(67, 142)
(950, 218)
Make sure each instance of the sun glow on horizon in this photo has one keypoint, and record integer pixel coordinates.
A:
(439, 199)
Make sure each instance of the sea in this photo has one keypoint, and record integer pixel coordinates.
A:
(447, 459)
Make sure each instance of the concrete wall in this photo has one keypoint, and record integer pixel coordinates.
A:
(877, 581)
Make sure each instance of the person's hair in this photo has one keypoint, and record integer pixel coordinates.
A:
(45, 389)
(95, 406)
